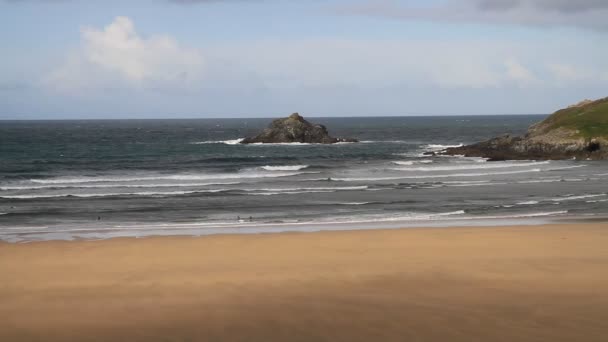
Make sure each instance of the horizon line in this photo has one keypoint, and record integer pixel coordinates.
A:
(268, 117)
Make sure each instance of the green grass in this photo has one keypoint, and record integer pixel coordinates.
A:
(590, 120)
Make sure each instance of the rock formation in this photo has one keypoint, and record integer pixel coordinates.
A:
(294, 129)
(577, 132)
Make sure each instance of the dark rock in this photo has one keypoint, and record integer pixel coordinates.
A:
(577, 132)
(294, 129)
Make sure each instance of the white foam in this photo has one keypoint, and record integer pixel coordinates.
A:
(477, 184)
(565, 168)
(439, 147)
(541, 214)
(573, 198)
(335, 188)
(527, 203)
(107, 186)
(403, 162)
(290, 192)
(385, 142)
(540, 181)
(182, 177)
(295, 144)
(436, 176)
(284, 167)
(496, 165)
(110, 194)
(226, 142)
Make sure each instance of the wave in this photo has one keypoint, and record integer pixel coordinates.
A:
(403, 162)
(412, 162)
(477, 184)
(160, 177)
(334, 188)
(290, 192)
(439, 147)
(471, 167)
(293, 191)
(286, 144)
(540, 181)
(284, 167)
(109, 186)
(573, 198)
(114, 194)
(527, 203)
(226, 142)
(386, 142)
(541, 214)
(262, 192)
(436, 176)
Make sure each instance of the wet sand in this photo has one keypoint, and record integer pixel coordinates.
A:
(537, 283)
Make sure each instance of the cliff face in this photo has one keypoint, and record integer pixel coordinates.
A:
(579, 131)
(294, 129)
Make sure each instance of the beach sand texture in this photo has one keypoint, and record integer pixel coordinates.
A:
(537, 283)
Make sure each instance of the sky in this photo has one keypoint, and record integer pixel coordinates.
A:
(77, 59)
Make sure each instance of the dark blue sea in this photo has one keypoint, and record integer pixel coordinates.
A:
(101, 179)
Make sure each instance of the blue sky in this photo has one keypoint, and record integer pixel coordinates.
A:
(66, 59)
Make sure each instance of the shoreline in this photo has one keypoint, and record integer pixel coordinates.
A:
(242, 228)
(524, 283)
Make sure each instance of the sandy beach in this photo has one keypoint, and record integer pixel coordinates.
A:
(537, 283)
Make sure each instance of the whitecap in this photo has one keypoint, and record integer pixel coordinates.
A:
(284, 167)
(290, 192)
(527, 203)
(403, 162)
(108, 186)
(182, 177)
(113, 194)
(436, 176)
(285, 144)
(471, 167)
(439, 147)
(573, 198)
(335, 188)
(226, 142)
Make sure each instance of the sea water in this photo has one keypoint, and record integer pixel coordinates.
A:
(100, 179)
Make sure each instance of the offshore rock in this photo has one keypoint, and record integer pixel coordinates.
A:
(294, 129)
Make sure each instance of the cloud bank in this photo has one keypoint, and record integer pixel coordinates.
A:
(587, 14)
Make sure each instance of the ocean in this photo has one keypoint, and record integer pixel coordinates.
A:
(112, 178)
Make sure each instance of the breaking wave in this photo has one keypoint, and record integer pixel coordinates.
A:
(225, 142)
(284, 167)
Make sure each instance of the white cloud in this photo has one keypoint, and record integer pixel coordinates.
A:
(382, 63)
(565, 74)
(118, 56)
(519, 73)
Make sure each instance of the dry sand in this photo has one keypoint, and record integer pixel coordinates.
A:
(544, 283)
